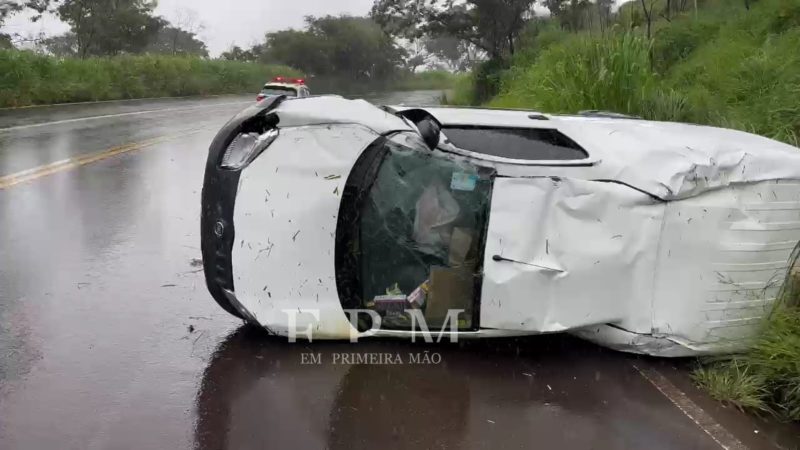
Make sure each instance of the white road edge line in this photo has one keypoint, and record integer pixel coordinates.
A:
(121, 100)
(107, 116)
(690, 409)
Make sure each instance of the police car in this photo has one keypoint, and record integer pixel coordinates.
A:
(289, 87)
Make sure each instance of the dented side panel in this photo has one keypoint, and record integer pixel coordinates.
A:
(566, 253)
(723, 258)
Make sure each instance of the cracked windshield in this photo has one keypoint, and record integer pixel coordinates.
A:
(401, 224)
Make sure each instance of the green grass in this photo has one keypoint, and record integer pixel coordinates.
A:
(734, 383)
(583, 73)
(767, 377)
(28, 78)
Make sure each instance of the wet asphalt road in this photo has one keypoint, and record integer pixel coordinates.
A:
(108, 338)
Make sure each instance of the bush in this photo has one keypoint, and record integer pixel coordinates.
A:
(27, 78)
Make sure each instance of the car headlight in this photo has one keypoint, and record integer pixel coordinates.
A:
(245, 148)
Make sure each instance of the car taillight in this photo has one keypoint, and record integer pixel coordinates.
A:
(260, 97)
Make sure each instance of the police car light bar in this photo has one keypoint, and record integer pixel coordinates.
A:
(289, 80)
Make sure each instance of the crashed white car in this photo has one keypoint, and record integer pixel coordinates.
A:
(659, 238)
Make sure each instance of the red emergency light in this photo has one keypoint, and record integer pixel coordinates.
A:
(289, 80)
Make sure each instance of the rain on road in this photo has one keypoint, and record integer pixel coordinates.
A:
(108, 338)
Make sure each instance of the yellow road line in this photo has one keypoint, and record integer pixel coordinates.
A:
(67, 164)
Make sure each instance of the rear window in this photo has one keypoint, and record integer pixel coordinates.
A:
(534, 144)
(279, 90)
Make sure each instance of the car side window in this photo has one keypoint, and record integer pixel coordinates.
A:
(535, 144)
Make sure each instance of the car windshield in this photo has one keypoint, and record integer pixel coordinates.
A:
(279, 90)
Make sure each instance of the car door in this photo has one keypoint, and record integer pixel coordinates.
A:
(563, 253)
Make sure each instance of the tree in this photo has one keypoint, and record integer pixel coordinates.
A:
(110, 27)
(9, 7)
(647, 8)
(577, 15)
(236, 53)
(604, 12)
(63, 45)
(416, 55)
(491, 25)
(171, 40)
(458, 55)
(401, 18)
(181, 34)
(353, 47)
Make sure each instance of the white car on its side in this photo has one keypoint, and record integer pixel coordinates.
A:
(660, 238)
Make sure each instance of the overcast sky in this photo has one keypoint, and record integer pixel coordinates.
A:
(240, 22)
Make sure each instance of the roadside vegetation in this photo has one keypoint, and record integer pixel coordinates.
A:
(27, 78)
(724, 65)
(766, 379)
(121, 49)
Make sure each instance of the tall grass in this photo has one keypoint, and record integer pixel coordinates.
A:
(727, 67)
(28, 78)
(767, 377)
(611, 73)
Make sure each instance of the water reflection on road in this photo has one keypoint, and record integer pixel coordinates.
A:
(549, 392)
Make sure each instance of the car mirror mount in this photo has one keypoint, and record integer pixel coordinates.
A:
(429, 128)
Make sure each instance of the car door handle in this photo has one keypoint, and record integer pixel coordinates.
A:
(499, 258)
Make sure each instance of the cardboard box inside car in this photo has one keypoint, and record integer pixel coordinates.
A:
(451, 288)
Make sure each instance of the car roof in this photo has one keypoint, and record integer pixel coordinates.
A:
(665, 159)
(668, 159)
